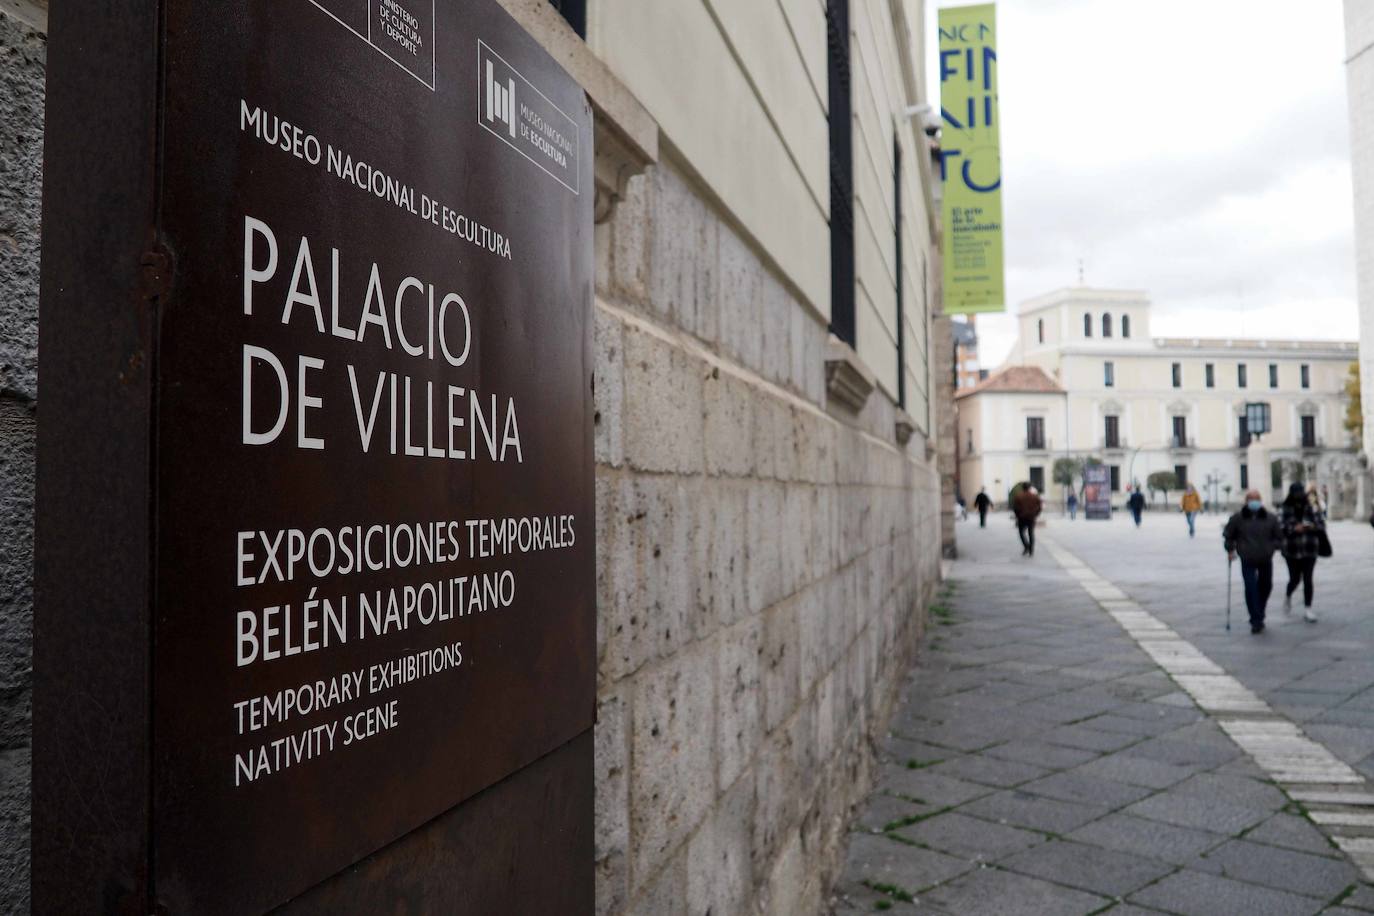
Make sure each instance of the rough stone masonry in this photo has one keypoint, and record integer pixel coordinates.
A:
(763, 564)
(23, 45)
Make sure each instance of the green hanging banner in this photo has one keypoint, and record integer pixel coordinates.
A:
(971, 161)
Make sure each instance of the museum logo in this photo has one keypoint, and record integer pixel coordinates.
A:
(513, 109)
(500, 100)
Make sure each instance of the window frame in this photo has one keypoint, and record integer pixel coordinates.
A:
(1108, 374)
(843, 276)
(1307, 422)
(1242, 376)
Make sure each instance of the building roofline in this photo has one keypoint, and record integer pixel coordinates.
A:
(1071, 294)
(998, 382)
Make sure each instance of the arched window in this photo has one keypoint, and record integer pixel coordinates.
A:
(1106, 325)
(1125, 325)
(1087, 325)
(1040, 329)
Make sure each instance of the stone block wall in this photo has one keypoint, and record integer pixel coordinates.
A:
(762, 569)
(23, 54)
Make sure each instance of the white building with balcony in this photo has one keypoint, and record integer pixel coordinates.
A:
(1086, 379)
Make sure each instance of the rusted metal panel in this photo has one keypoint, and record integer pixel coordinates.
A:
(365, 281)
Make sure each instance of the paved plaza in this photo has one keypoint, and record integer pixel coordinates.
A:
(1082, 735)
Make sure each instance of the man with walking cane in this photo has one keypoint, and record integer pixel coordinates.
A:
(1253, 534)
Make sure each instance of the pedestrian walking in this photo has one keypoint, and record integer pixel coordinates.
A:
(1191, 505)
(1073, 505)
(1136, 503)
(1304, 540)
(960, 508)
(1026, 506)
(1254, 534)
(982, 502)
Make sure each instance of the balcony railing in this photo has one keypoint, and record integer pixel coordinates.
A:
(1113, 445)
(1037, 444)
(1182, 443)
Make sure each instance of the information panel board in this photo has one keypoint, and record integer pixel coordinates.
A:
(971, 160)
(1097, 491)
(371, 473)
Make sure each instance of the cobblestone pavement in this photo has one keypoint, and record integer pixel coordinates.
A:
(1042, 762)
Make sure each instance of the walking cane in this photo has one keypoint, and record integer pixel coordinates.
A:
(1229, 562)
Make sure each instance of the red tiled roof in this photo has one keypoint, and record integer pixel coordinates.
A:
(1019, 379)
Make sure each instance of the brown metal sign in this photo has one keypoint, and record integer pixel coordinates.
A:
(371, 500)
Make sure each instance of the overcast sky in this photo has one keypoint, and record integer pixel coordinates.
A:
(1196, 149)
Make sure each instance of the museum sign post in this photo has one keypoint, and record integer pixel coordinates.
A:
(315, 581)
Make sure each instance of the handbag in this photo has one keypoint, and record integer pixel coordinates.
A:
(1323, 543)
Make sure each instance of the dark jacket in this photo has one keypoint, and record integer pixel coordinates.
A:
(1253, 535)
(1136, 501)
(1026, 506)
(1299, 545)
(983, 502)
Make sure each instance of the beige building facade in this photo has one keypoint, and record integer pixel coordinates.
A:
(1108, 389)
(1359, 70)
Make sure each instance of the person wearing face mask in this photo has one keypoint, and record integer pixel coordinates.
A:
(1254, 534)
(1304, 531)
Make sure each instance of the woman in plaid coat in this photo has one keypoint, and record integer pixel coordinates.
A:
(1304, 529)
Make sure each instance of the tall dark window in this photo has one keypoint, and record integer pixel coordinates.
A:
(1125, 325)
(1181, 472)
(1109, 374)
(1240, 376)
(1035, 432)
(1106, 325)
(1306, 373)
(1040, 329)
(1115, 471)
(1180, 432)
(1211, 373)
(901, 287)
(575, 11)
(1273, 375)
(1087, 325)
(1243, 436)
(841, 173)
(1309, 432)
(1111, 432)
(1245, 476)
(1037, 477)
(1176, 371)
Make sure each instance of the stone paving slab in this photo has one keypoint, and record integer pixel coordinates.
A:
(1042, 762)
(1147, 839)
(970, 838)
(1191, 893)
(993, 891)
(1089, 868)
(1283, 869)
